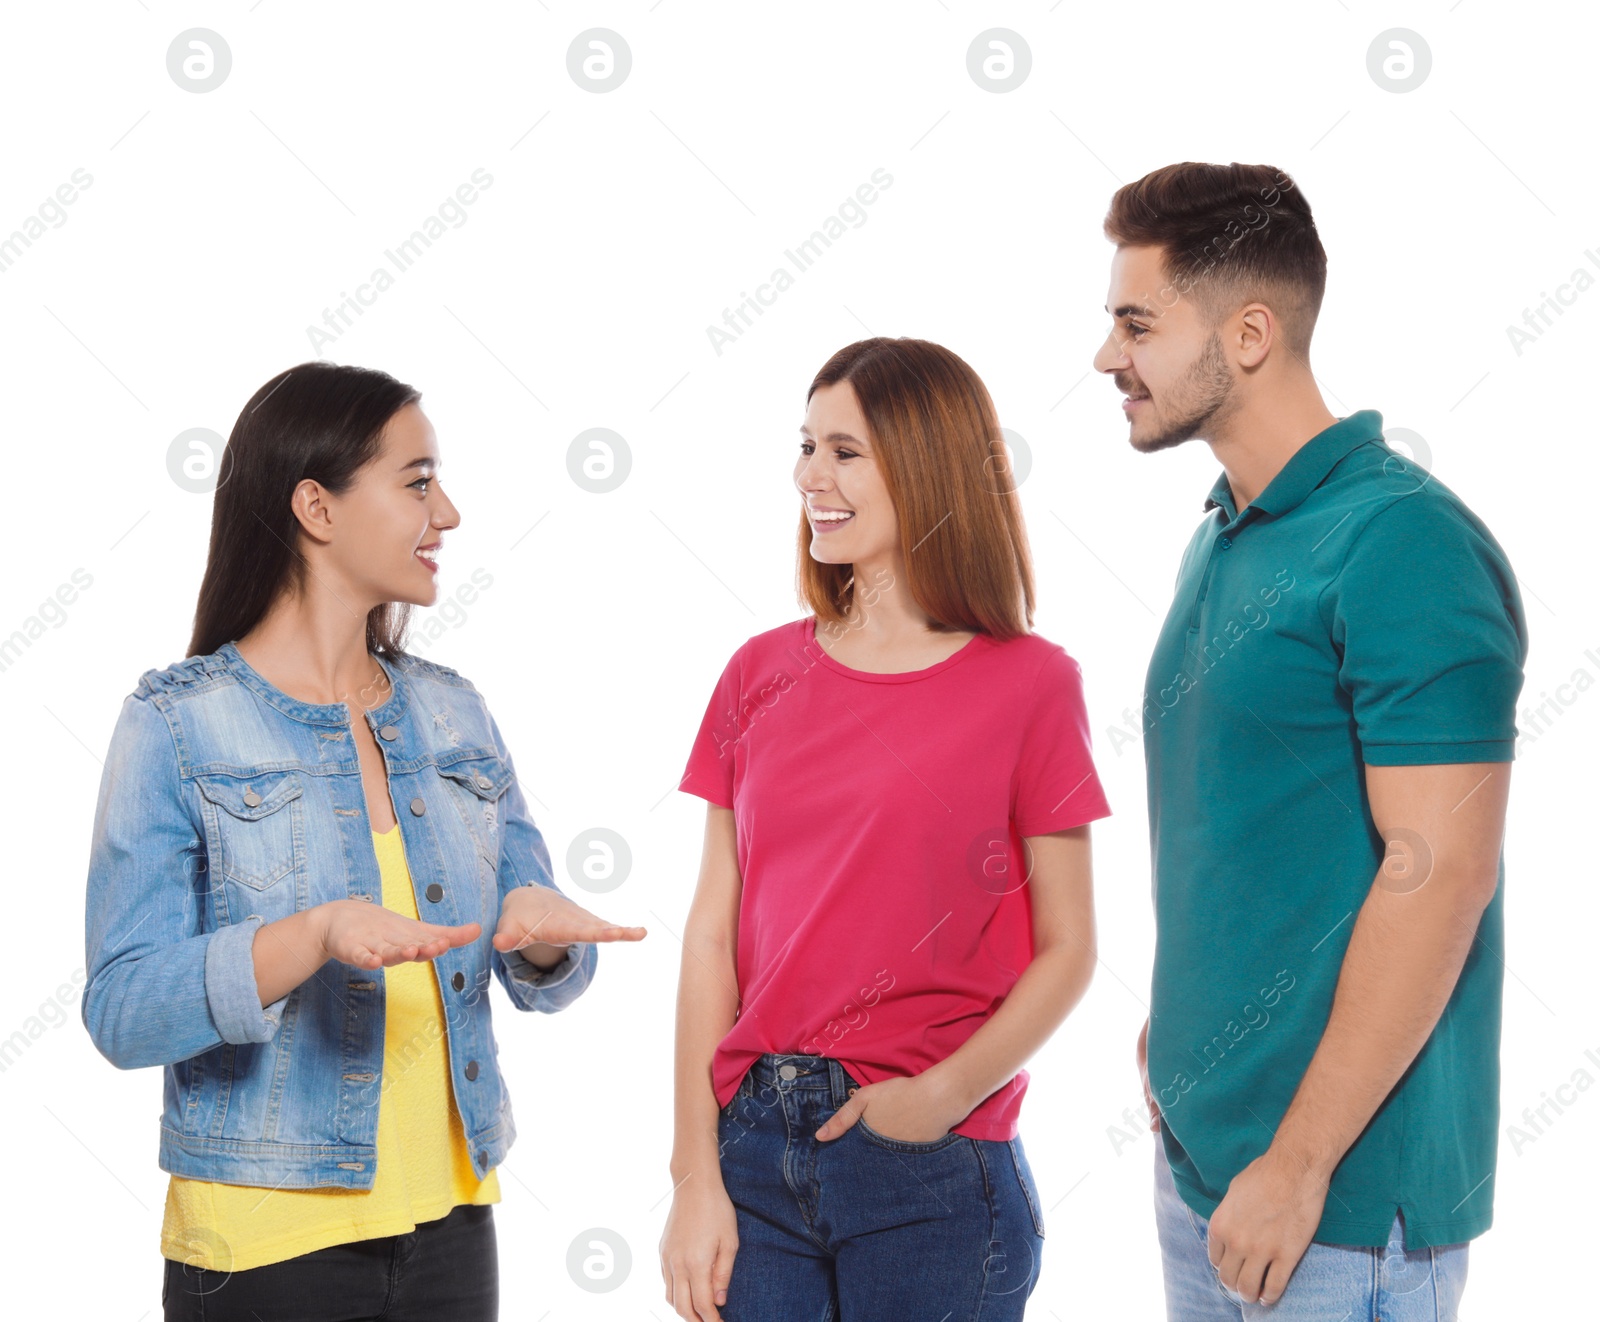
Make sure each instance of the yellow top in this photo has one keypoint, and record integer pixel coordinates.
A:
(423, 1166)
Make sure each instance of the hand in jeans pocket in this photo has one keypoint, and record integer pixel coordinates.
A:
(909, 1110)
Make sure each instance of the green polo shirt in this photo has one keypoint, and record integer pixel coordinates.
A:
(1356, 612)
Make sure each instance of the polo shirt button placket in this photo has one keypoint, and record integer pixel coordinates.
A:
(1205, 585)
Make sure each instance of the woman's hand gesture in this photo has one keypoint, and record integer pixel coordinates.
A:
(539, 915)
(370, 937)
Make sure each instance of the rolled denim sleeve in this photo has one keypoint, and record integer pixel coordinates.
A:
(578, 966)
(231, 988)
(160, 988)
(525, 861)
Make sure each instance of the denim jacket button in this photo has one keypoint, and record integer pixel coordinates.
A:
(472, 1070)
(265, 793)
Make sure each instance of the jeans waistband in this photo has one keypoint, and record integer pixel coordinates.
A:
(786, 1072)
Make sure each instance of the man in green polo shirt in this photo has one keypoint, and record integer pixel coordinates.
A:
(1328, 726)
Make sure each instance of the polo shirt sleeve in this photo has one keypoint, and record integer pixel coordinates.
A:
(1056, 786)
(1428, 624)
(709, 773)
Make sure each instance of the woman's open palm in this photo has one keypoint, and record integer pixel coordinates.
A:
(370, 936)
(539, 913)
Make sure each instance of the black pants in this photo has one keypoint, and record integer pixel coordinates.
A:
(443, 1269)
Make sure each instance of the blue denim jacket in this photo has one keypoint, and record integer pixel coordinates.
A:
(226, 804)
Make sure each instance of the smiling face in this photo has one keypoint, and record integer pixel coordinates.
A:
(1164, 355)
(387, 526)
(852, 518)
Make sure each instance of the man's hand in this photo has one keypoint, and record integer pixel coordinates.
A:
(537, 916)
(1262, 1228)
(913, 1110)
(1443, 824)
(1144, 1079)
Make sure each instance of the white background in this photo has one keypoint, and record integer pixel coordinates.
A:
(219, 226)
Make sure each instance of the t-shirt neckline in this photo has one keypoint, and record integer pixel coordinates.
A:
(809, 635)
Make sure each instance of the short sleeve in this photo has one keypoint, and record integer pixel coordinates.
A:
(709, 772)
(1431, 635)
(1056, 785)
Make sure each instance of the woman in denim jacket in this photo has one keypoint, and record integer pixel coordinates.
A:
(310, 852)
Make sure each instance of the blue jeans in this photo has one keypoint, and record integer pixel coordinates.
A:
(865, 1226)
(443, 1269)
(1330, 1283)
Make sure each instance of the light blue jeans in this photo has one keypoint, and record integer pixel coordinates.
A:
(1331, 1283)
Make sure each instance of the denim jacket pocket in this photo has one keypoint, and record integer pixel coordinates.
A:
(475, 785)
(258, 826)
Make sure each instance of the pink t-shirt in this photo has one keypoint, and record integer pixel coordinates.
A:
(884, 914)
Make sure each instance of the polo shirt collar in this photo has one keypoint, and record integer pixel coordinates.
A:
(1308, 467)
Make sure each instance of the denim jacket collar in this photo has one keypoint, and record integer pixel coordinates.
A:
(318, 713)
(226, 805)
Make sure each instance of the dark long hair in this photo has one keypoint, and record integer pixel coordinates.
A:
(321, 421)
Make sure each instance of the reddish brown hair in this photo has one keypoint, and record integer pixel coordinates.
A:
(1230, 235)
(937, 440)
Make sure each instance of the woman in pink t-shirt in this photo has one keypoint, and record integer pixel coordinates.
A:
(894, 909)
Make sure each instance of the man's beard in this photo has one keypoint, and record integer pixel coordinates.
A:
(1201, 397)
